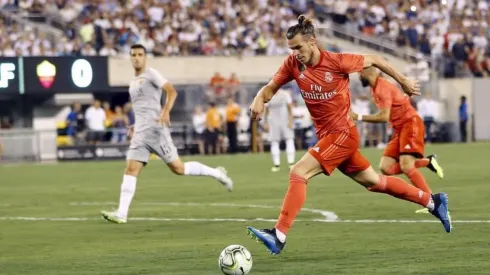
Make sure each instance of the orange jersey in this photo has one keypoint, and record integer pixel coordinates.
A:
(387, 95)
(324, 87)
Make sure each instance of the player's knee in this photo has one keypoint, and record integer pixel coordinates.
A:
(297, 170)
(131, 170)
(384, 169)
(177, 168)
(406, 165)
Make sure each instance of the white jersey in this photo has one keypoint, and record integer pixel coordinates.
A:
(146, 96)
(278, 108)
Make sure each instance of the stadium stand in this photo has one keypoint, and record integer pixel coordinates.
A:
(453, 34)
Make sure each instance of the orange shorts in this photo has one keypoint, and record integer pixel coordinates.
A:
(340, 150)
(408, 138)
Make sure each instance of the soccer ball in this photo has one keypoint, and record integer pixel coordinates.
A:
(235, 260)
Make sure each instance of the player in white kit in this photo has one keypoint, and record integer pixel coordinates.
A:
(279, 122)
(150, 134)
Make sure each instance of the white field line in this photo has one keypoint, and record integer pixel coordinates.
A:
(228, 220)
(328, 215)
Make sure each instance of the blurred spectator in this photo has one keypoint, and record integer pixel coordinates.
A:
(5, 123)
(128, 111)
(199, 123)
(120, 123)
(213, 128)
(95, 117)
(217, 86)
(232, 85)
(9, 5)
(418, 69)
(463, 119)
(232, 115)
(109, 114)
(334, 48)
(427, 109)
(75, 122)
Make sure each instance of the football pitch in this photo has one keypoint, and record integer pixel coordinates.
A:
(50, 222)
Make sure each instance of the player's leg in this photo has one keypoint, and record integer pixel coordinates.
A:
(276, 156)
(389, 166)
(166, 150)
(137, 157)
(409, 140)
(275, 238)
(358, 168)
(290, 147)
(407, 165)
(275, 137)
(194, 168)
(323, 157)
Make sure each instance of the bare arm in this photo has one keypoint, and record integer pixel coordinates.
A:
(171, 96)
(380, 117)
(409, 87)
(263, 96)
(267, 92)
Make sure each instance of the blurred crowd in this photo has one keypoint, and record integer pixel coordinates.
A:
(164, 27)
(96, 123)
(454, 33)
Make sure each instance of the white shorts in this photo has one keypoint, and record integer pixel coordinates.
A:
(280, 132)
(156, 140)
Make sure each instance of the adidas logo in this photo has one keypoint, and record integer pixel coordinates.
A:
(407, 147)
(301, 76)
(316, 149)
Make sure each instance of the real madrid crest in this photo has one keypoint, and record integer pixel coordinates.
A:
(328, 77)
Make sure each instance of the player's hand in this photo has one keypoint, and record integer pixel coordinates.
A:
(411, 87)
(266, 127)
(290, 124)
(130, 131)
(257, 109)
(164, 119)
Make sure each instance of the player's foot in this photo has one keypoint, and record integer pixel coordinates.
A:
(441, 210)
(224, 179)
(113, 217)
(435, 167)
(422, 211)
(268, 238)
(275, 169)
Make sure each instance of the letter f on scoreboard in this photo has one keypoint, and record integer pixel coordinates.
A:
(6, 74)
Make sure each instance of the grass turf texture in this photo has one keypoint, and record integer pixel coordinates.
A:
(93, 246)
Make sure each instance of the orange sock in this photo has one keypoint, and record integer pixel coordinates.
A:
(294, 200)
(398, 188)
(418, 180)
(422, 162)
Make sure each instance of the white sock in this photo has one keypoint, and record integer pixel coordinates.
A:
(281, 236)
(194, 168)
(430, 205)
(276, 153)
(128, 187)
(290, 150)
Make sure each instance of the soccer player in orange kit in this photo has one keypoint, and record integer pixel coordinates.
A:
(323, 78)
(405, 152)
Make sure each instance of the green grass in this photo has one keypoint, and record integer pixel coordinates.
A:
(94, 246)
